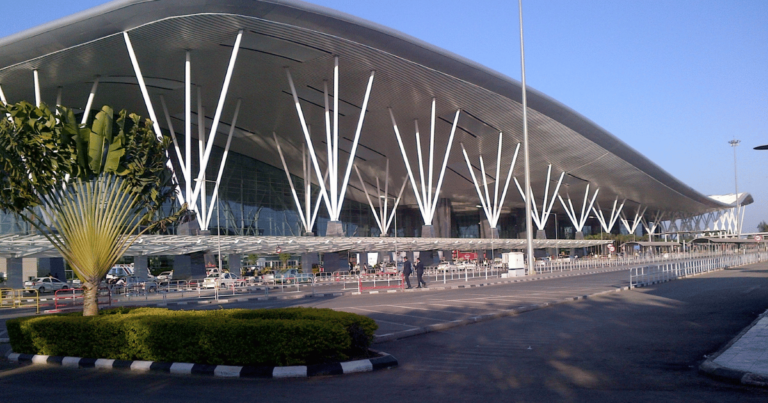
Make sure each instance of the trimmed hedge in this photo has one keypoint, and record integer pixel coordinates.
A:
(289, 336)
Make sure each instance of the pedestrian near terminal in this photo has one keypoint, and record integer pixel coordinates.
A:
(419, 273)
(407, 272)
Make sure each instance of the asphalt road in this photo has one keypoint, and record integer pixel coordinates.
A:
(641, 345)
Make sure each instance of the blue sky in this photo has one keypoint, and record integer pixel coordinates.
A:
(676, 80)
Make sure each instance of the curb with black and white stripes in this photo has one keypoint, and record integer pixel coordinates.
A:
(385, 361)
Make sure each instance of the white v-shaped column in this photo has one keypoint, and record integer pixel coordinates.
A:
(307, 214)
(150, 109)
(492, 206)
(424, 198)
(546, 210)
(636, 220)
(580, 220)
(333, 194)
(650, 227)
(384, 216)
(607, 224)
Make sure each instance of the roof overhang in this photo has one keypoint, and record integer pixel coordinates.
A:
(68, 53)
(22, 246)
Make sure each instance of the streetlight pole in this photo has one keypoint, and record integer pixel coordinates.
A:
(527, 159)
(733, 144)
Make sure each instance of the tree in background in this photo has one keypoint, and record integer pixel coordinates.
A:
(90, 191)
(762, 226)
(284, 257)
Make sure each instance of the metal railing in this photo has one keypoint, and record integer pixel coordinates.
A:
(597, 262)
(18, 298)
(656, 273)
(384, 282)
(73, 297)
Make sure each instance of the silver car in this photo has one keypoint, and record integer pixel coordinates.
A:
(133, 283)
(45, 284)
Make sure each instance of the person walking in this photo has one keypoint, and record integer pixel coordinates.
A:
(407, 272)
(419, 273)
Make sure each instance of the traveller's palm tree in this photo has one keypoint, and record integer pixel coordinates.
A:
(90, 191)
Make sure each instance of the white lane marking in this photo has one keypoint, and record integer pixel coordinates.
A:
(454, 306)
(427, 370)
(425, 309)
(399, 314)
(396, 323)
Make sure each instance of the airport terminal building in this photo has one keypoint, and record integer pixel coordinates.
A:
(305, 129)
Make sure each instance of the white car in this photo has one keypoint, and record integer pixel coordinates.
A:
(133, 283)
(118, 272)
(45, 284)
(165, 276)
(221, 280)
(445, 266)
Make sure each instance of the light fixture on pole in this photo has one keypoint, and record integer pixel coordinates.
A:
(733, 144)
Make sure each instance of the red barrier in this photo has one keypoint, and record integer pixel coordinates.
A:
(73, 297)
(381, 287)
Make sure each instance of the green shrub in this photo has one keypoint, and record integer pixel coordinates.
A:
(291, 336)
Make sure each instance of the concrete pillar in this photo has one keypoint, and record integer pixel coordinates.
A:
(427, 231)
(542, 234)
(189, 228)
(578, 251)
(52, 265)
(140, 265)
(334, 229)
(189, 267)
(332, 261)
(429, 257)
(486, 232)
(234, 261)
(307, 260)
(14, 273)
(442, 219)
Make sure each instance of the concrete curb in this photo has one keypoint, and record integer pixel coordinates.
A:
(385, 361)
(482, 318)
(717, 371)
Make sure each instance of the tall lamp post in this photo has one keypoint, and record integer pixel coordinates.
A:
(733, 144)
(526, 159)
(218, 219)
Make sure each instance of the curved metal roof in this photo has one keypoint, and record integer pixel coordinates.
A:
(69, 52)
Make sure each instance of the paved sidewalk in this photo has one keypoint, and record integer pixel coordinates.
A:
(745, 358)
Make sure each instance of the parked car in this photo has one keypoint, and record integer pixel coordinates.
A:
(267, 276)
(164, 277)
(445, 266)
(134, 283)
(293, 275)
(221, 280)
(118, 272)
(391, 268)
(45, 284)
